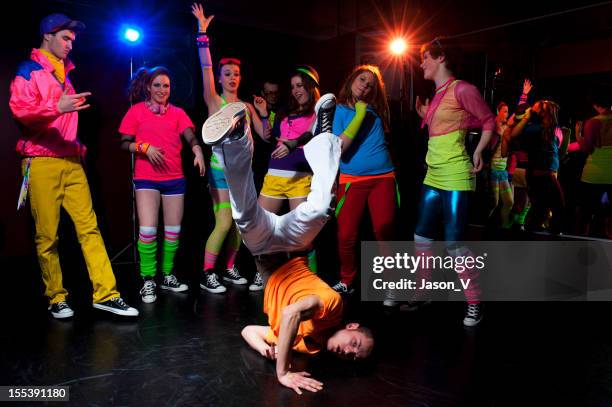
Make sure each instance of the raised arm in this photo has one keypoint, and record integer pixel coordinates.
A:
(211, 98)
(291, 317)
(260, 126)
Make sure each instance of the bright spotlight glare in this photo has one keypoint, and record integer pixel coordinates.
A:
(131, 34)
(398, 46)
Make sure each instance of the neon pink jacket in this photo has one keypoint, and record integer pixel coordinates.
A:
(35, 92)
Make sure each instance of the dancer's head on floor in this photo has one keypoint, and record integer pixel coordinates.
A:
(58, 33)
(439, 58)
(229, 75)
(351, 342)
(304, 90)
(366, 84)
(151, 86)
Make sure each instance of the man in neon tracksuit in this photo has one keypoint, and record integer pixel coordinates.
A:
(45, 104)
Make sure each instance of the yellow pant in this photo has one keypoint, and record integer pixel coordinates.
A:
(61, 182)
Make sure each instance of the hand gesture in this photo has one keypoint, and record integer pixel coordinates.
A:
(198, 11)
(198, 161)
(422, 108)
(527, 86)
(72, 103)
(261, 105)
(281, 151)
(300, 380)
(155, 156)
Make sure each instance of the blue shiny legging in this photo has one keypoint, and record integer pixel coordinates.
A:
(447, 207)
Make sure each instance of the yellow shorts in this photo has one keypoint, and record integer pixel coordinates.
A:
(278, 187)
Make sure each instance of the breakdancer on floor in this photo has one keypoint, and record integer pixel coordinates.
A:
(304, 313)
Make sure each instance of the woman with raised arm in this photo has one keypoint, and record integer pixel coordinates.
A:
(224, 235)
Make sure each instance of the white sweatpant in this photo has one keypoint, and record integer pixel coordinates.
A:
(264, 232)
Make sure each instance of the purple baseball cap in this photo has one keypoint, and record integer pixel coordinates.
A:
(57, 22)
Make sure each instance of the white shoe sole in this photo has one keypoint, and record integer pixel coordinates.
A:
(218, 290)
(322, 100)
(470, 322)
(62, 315)
(131, 312)
(242, 281)
(221, 123)
(149, 299)
(256, 287)
(179, 289)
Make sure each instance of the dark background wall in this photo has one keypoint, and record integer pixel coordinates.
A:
(564, 55)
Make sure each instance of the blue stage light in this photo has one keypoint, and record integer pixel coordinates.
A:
(130, 34)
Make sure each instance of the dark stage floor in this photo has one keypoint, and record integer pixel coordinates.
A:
(186, 350)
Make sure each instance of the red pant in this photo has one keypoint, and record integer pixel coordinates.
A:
(379, 195)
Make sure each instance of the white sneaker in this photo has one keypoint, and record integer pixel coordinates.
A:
(221, 124)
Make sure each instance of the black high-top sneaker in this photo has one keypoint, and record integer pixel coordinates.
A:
(325, 110)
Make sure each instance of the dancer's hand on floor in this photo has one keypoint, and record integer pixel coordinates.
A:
(198, 11)
(300, 380)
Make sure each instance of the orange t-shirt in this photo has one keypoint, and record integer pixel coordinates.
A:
(289, 284)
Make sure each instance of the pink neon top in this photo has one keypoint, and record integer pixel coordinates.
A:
(292, 127)
(162, 131)
(470, 111)
(45, 132)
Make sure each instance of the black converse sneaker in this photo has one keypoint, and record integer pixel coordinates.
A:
(147, 292)
(257, 284)
(342, 288)
(473, 316)
(325, 110)
(172, 284)
(223, 123)
(61, 310)
(117, 306)
(390, 299)
(233, 276)
(210, 282)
